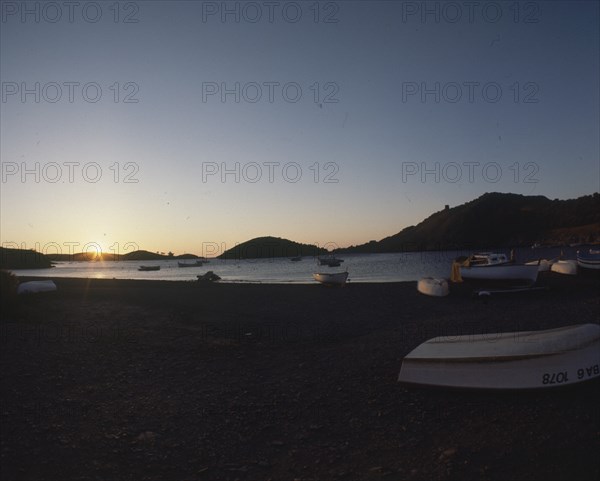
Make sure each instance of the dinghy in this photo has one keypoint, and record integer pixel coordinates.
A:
(433, 287)
(33, 287)
(337, 279)
(510, 360)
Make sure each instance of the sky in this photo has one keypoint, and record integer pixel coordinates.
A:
(190, 126)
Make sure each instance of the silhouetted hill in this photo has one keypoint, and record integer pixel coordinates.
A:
(498, 220)
(23, 259)
(267, 247)
(139, 255)
(142, 255)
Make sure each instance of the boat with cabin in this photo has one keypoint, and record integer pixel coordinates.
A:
(493, 268)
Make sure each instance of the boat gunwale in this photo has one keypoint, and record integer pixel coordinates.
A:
(496, 359)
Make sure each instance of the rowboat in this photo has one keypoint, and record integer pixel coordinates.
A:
(337, 279)
(589, 260)
(509, 360)
(492, 268)
(149, 268)
(296, 259)
(433, 287)
(568, 267)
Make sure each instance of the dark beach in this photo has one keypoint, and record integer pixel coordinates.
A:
(156, 380)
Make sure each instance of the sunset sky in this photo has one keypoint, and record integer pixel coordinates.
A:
(169, 125)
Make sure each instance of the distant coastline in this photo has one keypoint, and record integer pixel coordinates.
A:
(493, 219)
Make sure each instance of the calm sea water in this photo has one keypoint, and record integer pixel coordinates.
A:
(361, 267)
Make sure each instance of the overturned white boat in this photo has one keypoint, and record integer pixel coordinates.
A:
(544, 265)
(568, 267)
(337, 279)
(33, 287)
(433, 287)
(510, 360)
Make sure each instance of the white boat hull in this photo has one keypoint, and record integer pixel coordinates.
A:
(544, 265)
(501, 273)
(590, 260)
(568, 267)
(513, 360)
(337, 279)
(33, 287)
(433, 287)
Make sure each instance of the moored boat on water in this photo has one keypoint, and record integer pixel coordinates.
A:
(509, 360)
(330, 261)
(185, 264)
(334, 279)
(149, 268)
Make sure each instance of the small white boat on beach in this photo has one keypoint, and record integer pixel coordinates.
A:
(509, 360)
(568, 267)
(337, 279)
(493, 268)
(33, 287)
(589, 260)
(433, 287)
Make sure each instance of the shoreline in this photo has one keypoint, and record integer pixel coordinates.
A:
(153, 379)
